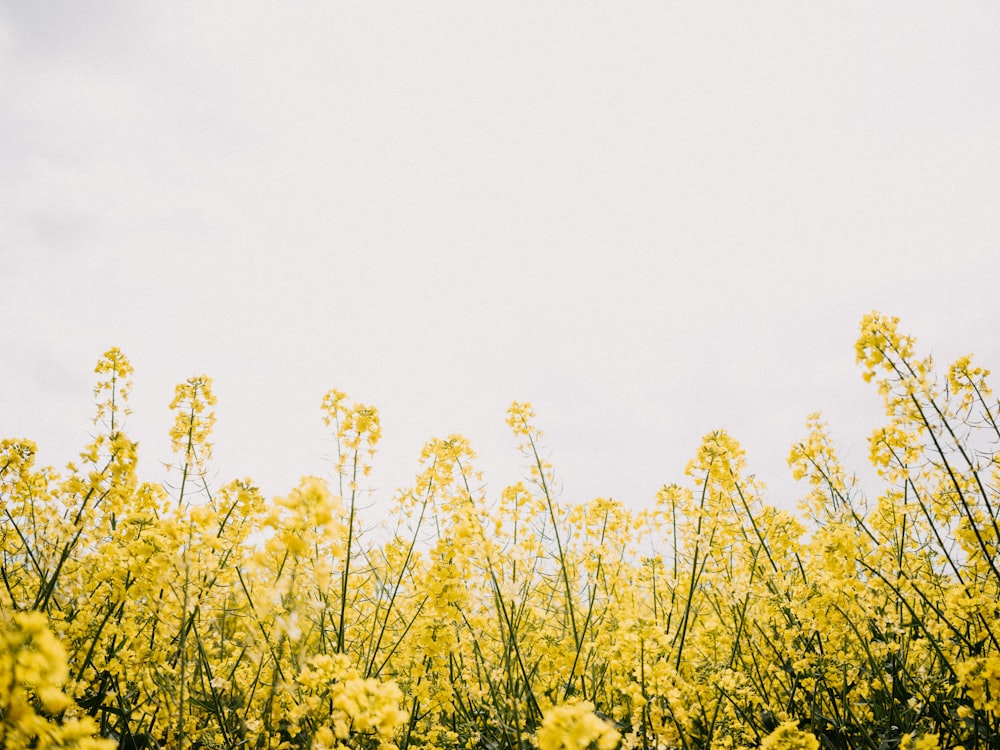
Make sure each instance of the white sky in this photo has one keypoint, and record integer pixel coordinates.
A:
(650, 219)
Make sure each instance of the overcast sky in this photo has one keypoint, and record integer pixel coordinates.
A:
(651, 220)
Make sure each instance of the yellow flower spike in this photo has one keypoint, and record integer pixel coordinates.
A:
(332, 406)
(193, 423)
(879, 340)
(968, 380)
(520, 418)
(816, 460)
(17, 457)
(310, 514)
(112, 392)
(718, 453)
(357, 427)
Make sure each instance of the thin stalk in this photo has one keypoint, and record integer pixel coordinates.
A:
(555, 531)
(345, 574)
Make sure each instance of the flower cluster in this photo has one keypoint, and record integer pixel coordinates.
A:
(575, 726)
(188, 615)
(34, 710)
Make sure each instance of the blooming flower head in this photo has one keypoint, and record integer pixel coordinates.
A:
(980, 678)
(788, 736)
(33, 672)
(358, 429)
(575, 726)
(307, 514)
(194, 420)
(923, 742)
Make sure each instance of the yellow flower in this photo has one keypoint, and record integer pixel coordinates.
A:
(114, 389)
(193, 423)
(33, 672)
(789, 737)
(980, 678)
(520, 417)
(923, 742)
(357, 427)
(575, 726)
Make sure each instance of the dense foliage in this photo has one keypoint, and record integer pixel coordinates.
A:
(193, 616)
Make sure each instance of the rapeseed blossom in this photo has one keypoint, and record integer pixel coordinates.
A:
(788, 736)
(980, 679)
(33, 706)
(922, 742)
(575, 726)
(188, 614)
(193, 424)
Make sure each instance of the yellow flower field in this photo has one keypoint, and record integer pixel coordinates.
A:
(197, 616)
